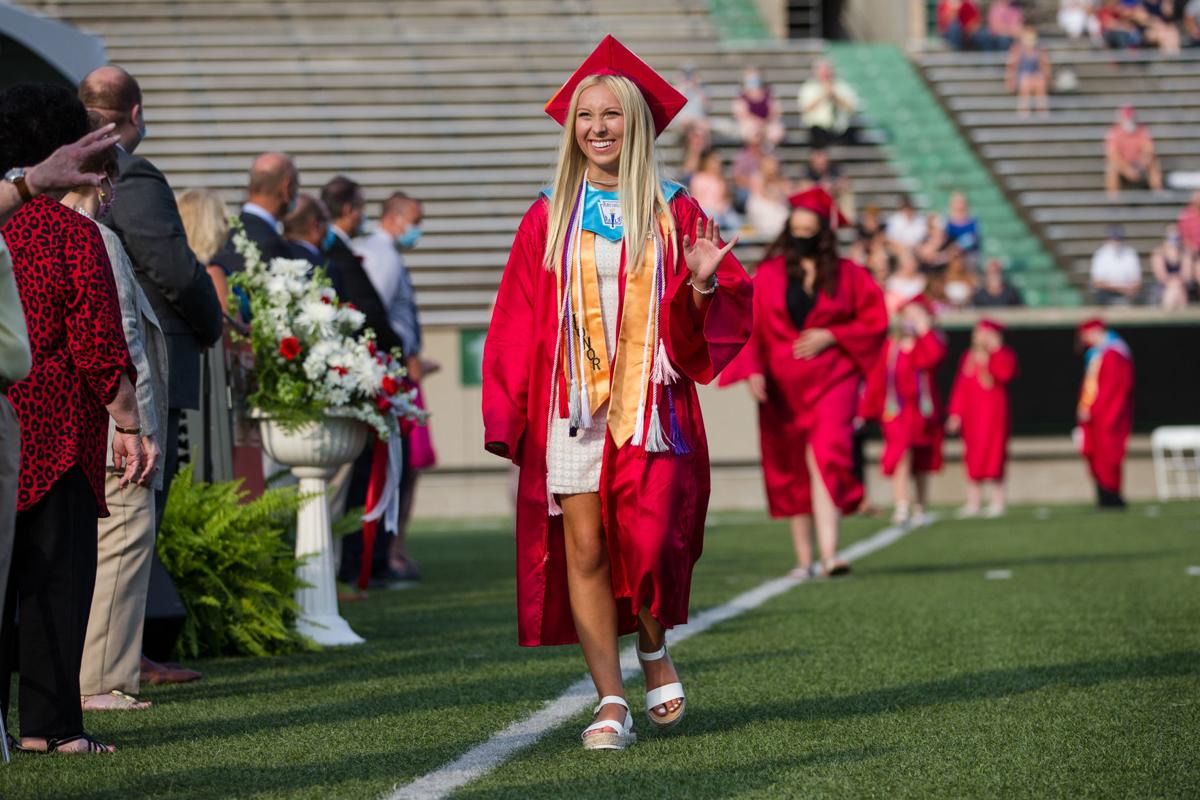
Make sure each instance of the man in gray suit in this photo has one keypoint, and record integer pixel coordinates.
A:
(147, 221)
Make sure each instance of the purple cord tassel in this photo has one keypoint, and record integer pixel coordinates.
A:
(678, 444)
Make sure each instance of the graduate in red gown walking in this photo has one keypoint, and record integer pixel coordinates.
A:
(618, 297)
(819, 326)
(903, 395)
(1105, 410)
(979, 410)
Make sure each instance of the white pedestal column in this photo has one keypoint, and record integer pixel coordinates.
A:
(319, 618)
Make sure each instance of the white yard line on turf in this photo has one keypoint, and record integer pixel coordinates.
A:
(485, 757)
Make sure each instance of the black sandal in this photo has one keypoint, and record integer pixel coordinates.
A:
(93, 746)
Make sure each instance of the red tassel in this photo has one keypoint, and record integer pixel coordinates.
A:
(379, 463)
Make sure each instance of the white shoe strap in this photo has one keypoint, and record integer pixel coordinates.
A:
(616, 726)
(610, 699)
(664, 694)
(655, 656)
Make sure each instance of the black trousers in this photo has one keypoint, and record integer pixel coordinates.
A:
(352, 543)
(170, 455)
(50, 588)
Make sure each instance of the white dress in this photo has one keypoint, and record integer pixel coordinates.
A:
(574, 462)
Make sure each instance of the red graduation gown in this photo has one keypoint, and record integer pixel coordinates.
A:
(811, 402)
(910, 428)
(984, 411)
(653, 504)
(1106, 433)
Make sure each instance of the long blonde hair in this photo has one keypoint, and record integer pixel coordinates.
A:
(639, 183)
(204, 221)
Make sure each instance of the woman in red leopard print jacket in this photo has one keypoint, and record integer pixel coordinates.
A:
(81, 374)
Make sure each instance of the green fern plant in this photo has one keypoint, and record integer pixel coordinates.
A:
(233, 566)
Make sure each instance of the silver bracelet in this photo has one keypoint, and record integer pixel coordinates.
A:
(712, 287)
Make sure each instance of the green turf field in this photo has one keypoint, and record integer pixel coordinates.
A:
(1078, 676)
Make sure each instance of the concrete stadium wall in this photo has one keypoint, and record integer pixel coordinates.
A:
(470, 482)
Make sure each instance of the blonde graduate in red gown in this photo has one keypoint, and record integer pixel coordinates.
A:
(1105, 409)
(819, 326)
(589, 374)
(979, 410)
(903, 395)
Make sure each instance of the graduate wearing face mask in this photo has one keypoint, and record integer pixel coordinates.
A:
(819, 326)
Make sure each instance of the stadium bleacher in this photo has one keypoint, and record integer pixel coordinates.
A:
(441, 100)
(1053, 167)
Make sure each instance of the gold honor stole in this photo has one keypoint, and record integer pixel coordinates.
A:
(623, 385)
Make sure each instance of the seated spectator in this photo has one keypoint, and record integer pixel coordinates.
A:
(696, 142)
(1116, 271)
(995, 291)
(1156, 18)
(1117, 27)
(906, 228)
(305, 229)
(958, 286)
(962, 228)
(711, 191)
(905, 283)
(767, 208)
(747, 166)
(1028, 73)
(870, 245)
(1129, 155)
(1077, 18)
(757, 111)
(961, 24)
(827, 106)
(207, 228)
(1174, 271)
(1189, 225)
(694, 115)
(936, 249)
(1191, 22)
(1005, 23)
(824, 172)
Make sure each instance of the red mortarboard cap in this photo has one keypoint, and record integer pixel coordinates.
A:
(818, 201)
(613, 58)
(987, 323)
(1089, 324)
(921, 300)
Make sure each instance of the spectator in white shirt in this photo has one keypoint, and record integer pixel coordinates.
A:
(1116, 271)
(906, 228)
(827, 106)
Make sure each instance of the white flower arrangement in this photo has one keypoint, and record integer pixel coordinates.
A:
(313, 358)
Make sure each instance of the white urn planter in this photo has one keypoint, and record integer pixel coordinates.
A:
(314, 451)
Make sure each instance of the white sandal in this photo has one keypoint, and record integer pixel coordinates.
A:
(663, 695)
(613, 735)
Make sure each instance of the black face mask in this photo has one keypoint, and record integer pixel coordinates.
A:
(805, 247)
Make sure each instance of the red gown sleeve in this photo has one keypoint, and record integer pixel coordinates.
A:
(93, 325)
(752, 359)
(870, 405)
(862, 337)
(701, 343)
(508, 348)
(958, 391)
(1002, 366)
(1111, 410)
(929, 351)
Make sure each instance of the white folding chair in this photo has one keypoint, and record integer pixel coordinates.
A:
(1176, 450)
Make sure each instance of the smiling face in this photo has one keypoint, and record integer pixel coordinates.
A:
(600, 129)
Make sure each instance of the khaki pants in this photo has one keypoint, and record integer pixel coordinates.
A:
(112, 651)
(10, 465)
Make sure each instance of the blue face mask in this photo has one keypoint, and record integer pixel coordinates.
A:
(330, 238)
(409, 238)
(142, 129)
